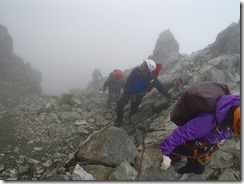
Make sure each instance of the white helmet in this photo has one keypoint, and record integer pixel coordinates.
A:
(151, 65)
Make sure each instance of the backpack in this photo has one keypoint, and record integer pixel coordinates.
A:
(199, 98)
(157, 71)
(117, 74)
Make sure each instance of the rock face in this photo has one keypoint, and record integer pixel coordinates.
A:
(15, 75)
(166, 50)
(228, 41)
(71, 137)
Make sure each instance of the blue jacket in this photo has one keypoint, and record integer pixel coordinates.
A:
(201, 127)
(137, 83)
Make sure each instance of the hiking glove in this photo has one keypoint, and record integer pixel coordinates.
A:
(165, 163)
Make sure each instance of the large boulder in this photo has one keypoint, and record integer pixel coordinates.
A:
(166, 50)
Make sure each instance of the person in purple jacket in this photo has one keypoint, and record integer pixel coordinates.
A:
(202, 132)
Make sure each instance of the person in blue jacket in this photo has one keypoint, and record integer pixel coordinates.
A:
(96, 74)
(203, 132)
(136, 87)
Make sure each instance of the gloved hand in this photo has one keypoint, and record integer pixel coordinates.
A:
(165, 163)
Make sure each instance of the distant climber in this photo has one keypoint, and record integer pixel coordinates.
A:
(115, 84)
(96, 77)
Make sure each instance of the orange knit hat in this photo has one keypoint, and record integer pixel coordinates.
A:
(236, 123)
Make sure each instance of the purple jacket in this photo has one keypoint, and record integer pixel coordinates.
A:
(201, 126)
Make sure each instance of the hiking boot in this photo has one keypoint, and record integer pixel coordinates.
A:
(118, 123)
(186, 169)
(191, 169)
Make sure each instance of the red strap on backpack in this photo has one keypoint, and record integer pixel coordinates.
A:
(158, 68)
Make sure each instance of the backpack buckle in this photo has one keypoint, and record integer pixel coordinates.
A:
(219, 131)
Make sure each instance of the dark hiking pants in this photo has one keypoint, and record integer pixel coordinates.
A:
(192, 165)
(135, 102)
(113, 95)
(124, 99)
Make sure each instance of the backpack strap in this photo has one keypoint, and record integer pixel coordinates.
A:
(225, 122)
(215, 123)
(222, 127)
(202, 152)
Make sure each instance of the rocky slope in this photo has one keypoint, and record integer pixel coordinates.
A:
(71, 137)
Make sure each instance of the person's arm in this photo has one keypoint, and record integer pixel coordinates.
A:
(193, 129)
(158, 85)
(105, 85)
(107, 82)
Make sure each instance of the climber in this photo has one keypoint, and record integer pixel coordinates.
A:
(136, 87)
(96, 77)
(201, 135)
(115, 84)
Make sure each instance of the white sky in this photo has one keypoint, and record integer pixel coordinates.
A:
(66, 39)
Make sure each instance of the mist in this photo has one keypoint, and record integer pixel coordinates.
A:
(67, 39)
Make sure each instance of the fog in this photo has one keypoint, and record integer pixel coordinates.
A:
(67, 39)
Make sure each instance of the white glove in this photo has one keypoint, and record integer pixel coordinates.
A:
(165, 163)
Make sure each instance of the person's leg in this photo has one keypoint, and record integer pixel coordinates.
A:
(135, 102)
(192, 165)
(120, 107)
(110, 97)
(198, 168)
(117, 95)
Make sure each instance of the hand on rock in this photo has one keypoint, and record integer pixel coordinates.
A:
(165, 163)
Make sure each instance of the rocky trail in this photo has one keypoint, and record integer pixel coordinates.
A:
(45, 136)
